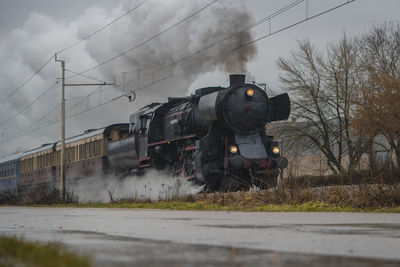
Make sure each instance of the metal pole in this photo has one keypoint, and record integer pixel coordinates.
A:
(63, 132)
(62, 160)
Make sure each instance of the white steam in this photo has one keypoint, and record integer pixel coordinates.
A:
(152, 186)
(24, 49)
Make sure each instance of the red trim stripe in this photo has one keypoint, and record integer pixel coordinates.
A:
(144, 166)
(172, 140)
(173, 114)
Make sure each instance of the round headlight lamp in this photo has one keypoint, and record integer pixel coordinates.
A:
(233, 149)
(275, 150)
(249, 92)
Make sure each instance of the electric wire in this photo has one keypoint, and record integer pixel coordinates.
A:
(146, 41)
(57, 120)
(67, 48)
(102, 28)
(296, 23)
(86, 76)
(199, 51)
(229, 36)
(284, 9)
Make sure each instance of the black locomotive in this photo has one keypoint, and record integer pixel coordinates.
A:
(216, 137)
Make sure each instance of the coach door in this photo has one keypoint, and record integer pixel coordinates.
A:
(143, 136)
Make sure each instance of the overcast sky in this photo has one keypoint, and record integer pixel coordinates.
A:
(31, 31)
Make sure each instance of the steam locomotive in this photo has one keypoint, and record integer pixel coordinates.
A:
(215, 137)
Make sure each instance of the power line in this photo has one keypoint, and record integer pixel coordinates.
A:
(102, 28)
(282, 10)
(229, 36)
(147, 41)
(296, 23)
(247, 28)
(67, 48)
(206, 48)
(83, 75)
(24, 132)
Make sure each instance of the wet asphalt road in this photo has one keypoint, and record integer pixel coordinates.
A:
(125, 237)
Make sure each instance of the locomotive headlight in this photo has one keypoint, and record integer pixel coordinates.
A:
(275, 150)
(249, 92)
(233, 149)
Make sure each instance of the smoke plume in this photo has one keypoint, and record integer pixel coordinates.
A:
(150, 68)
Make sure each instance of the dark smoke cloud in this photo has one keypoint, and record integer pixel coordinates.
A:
(26, 48)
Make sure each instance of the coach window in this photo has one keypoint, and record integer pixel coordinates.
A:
(87, 148)
(92, 149)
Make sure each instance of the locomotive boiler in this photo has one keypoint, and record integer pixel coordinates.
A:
(215, 137)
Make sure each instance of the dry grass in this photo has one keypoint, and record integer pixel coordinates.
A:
(358, 197)
(359, 191)
(44, 195)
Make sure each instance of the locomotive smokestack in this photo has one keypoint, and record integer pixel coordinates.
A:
(236, 79)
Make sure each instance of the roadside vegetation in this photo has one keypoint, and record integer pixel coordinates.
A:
(17, 252)
(361, 191)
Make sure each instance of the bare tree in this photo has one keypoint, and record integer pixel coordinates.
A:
(322, 90)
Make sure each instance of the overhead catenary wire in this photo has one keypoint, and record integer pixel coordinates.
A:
(208, 47)
(247, 28)
(229, 36)
(86, 76)
(282, 10)
(25, 132)
(37, 71)
(297, 23)
(102, 28)
(146, 41)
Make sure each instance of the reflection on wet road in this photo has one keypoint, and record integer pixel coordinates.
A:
(122, 237)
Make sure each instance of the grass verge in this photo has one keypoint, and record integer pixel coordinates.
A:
(202, 206)
(16, 252)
